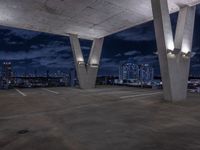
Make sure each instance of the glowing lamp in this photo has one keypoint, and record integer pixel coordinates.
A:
(174, 51)
(81, 63)
(170, 45)
(94, 65)
(188, 54)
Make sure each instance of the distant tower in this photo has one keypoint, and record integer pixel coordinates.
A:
(128, 70)
(7, 70)
(146, 73)
(6, 75)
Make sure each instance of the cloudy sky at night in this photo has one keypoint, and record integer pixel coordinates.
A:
(30, 51)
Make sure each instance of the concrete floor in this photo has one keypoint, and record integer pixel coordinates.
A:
(117, 118)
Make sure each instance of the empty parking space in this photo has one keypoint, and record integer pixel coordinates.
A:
(38, 100)
(140, 95)
(51, 91)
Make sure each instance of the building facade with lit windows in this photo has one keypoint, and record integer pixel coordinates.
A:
(7, 74)
(131, 72)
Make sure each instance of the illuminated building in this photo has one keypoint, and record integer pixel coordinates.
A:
(6, 74)
(129, 71)
(7, 70)
(146, 73)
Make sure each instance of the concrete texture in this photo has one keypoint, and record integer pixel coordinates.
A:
(86, 72)
(174, 66)
(106, 118)
(87, 18)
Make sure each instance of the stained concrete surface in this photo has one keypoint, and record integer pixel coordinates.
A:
(106, 118)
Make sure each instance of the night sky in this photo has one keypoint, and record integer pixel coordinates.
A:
(29, 51)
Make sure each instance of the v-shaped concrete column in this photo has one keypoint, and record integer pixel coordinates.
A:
(174, 56)
(86, 72)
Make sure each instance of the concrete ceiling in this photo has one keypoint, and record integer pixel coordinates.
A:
(87, 18)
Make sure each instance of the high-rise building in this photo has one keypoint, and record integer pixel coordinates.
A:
(128, 71)
(137, 73)
(6, 74)
(7, 70)
(146, 73)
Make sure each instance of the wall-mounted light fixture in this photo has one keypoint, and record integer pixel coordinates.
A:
(94, 65)
(81, 63)
(188, 54)
(174, 51)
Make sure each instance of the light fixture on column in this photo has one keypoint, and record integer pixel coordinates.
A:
(186, 50)
(170, 43)
(174, 51)
(188, 54)
(81, 63)
(94, 65)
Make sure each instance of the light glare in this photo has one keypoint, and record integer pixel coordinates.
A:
(170, 45)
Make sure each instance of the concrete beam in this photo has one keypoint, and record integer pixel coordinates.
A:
(173, 55)
(184, 30)
(86, 72)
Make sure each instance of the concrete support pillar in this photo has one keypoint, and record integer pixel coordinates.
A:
(174, 55)
(86, 72)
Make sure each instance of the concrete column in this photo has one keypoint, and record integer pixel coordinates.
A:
(86, 72)
(174, 56)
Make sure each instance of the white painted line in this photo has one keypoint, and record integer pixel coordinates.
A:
(50, 91)
(20, 92)
(140, 95)
(113, 92)
(121, 92)
(102, 90)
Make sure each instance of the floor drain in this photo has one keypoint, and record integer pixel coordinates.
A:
(23, 131)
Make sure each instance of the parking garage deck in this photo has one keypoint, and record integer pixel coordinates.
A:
(121, 118)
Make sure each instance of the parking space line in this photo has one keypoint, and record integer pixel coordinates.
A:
(102, 90)
(113, 92)
(50, 91)
(140, 95)
(20, 92)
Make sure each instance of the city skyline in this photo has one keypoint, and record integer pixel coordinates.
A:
(30, 51)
